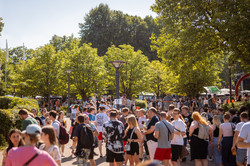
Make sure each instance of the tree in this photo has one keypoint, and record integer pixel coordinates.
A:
(192, 69)
(133, 74)
(160, 78)
(104, 27)
(1, 25)
(39, 75)
(87, 67)
(212, 25)
(61, 43)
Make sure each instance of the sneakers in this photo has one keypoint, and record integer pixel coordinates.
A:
(63, 155)
(210, 158)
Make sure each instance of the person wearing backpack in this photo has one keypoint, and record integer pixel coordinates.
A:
(226, 133)
(83, 135)
(199, 133)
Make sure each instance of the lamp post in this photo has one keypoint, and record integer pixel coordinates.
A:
(117, 65)
(230, 83)
(68, 71)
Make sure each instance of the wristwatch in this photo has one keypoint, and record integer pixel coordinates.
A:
(133, 140)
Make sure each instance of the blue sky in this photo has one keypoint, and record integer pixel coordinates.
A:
(34, 22)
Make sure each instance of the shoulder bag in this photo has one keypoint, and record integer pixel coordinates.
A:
(127, 146)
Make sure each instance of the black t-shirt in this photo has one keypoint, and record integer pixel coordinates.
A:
(152, 122)
(188, 120)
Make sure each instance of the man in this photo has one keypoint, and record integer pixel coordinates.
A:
(188, 120)
(244, 139)
(43, 117)
(124, 101)
(177, 141)
(151, 140)
(240, 153)
(125, 111)
(171, 110)
(113, 132)
(100, 119)
(167, 100)
(94, 98)
(163, 131)
(55, 123)
(57, 105)
(95, 133)
(84, 138)
(27, 120)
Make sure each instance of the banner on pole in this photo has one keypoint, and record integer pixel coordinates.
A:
(118, 101)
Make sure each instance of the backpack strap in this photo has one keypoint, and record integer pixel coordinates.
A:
(169, 132)
(32, 158)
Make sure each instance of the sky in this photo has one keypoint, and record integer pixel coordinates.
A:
(34, 22)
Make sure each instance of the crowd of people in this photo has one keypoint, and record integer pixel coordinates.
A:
(166, 134)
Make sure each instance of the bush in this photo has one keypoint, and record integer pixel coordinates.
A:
(9, 107)
(9, 119)
(141, 103)
(17, 103)
(236, 105)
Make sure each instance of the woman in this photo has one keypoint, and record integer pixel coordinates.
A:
(63, 122)
(50, 143)
(199, 147)
(14, 141)
(21, 155)
(134, 136)
(226, 132)
(214, 136)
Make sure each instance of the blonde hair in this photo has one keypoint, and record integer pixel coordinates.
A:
(197, 117)
(216, 121)
(132, 121)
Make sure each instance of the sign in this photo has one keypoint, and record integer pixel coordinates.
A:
(118, 101)
(212, 90)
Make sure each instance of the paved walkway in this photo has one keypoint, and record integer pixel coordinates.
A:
(70, 159)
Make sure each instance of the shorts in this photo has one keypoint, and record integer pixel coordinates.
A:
(162, 154)
(111, 157)
(100, 136)
(241, 155)
(176, 152)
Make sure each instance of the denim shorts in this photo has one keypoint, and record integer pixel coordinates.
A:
(241, 155)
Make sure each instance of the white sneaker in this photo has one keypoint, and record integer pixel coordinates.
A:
(63, 155)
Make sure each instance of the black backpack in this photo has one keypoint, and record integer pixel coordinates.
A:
(86, 139)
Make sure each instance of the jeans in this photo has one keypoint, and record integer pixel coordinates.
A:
(216, 151)
(227, 158)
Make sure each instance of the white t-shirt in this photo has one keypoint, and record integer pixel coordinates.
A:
(245, 134)
(100, 119)
(56, 126)
(238, 127)
(73, 110)
(181, 126)
(142, 121)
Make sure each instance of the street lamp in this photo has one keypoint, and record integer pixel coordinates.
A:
(230, 83)
(68, 71)
(117, 65)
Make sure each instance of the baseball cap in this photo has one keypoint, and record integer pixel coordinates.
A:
(33, 129)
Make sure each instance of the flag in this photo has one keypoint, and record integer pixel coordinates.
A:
(23, 52)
